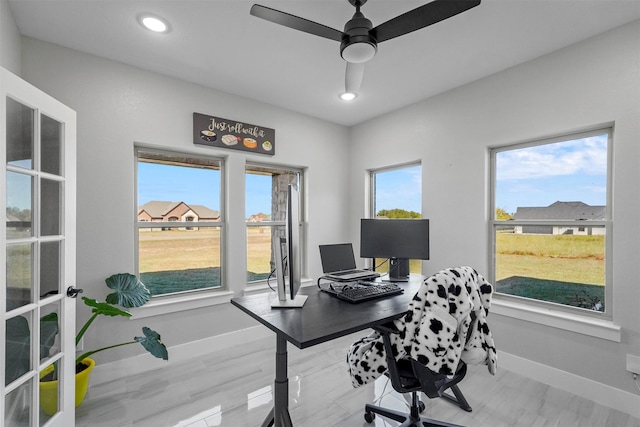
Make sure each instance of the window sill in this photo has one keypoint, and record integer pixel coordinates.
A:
(165, 305)
(604, 329)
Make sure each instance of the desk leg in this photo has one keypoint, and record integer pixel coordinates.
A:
(279, 414)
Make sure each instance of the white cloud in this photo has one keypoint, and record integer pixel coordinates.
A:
(587, 156)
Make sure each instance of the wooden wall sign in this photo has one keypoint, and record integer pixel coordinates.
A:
(225, 133)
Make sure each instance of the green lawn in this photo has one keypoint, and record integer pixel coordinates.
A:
(565, 269)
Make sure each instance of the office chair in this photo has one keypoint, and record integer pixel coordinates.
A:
(410, 376)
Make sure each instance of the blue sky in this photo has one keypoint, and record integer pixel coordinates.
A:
(399, 188)
(192, 185)
(567, 171)
(573, 170)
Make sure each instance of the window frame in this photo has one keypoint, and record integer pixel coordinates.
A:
(263, 283)
(372, 209)
(568, 315)
(192, 298)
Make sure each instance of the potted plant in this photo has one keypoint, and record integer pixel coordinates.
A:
(128, 292)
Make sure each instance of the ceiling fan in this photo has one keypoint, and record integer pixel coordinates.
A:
(359, 40)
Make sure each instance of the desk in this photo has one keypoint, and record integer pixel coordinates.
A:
(323, 318)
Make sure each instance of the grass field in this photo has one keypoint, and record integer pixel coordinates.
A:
(565, 269)
(170, 258)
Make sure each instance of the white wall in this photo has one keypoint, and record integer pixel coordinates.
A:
(590, 83)
(118, 105)
(10, 40)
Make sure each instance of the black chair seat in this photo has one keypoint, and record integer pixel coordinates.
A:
(409, 376)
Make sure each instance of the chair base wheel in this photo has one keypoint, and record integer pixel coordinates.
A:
(369, 417)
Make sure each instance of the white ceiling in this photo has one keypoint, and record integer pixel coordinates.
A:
(218, 44)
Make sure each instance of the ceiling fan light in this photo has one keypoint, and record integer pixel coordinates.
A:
(348, 96)
(358, 52)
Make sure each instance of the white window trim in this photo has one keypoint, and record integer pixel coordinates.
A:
(559, 319)
(161, 305)
(594, 324)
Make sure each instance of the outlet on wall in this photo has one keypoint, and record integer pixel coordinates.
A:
(633, 363)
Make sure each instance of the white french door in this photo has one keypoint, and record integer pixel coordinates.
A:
(37, 246)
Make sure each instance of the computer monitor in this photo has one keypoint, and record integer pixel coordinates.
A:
(399, 240)
(287, 256)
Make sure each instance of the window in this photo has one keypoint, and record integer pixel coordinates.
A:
(179, 222)
(396, 192)
(551, 221)
(265, 207)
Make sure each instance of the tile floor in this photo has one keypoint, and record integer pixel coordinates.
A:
(233, 388)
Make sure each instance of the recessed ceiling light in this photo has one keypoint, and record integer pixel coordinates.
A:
(153, 23)
(348, 96)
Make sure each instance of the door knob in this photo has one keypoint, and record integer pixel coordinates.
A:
(73, 292)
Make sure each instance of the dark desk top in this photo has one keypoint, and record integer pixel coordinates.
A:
(324, 317)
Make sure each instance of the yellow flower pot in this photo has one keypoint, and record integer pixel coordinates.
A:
(49, 389)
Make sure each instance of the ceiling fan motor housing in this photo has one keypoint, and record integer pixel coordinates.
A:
(358, 45)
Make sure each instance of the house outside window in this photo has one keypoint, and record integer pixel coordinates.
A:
(179, 223)
(396, 192)
(551, 222)
(265, 209)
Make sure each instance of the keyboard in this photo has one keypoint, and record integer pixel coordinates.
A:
(357, 293)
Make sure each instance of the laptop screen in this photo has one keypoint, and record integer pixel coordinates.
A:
(337, 257)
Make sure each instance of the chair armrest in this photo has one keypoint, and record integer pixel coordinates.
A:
(386, 329)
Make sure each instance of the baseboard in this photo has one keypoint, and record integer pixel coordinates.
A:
(104, 372)
(603, 394)
(612, 397)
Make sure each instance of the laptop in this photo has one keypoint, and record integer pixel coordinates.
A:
(339, 263)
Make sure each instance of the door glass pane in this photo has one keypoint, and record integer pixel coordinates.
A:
(49, 268)
(51, 145)
(19, 275)
(51, 202)
(19, 205)
(18, 346)
(19, 134)
(49, 330)
(18, 406)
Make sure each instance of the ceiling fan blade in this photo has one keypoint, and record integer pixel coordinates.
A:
(420, 17)
(295, 22)
(353, 77)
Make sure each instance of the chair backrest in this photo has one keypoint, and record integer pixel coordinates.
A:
(407, 374)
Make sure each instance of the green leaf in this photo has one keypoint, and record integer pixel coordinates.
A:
(129, 291)
(48, 330)
(151, 342)
(105, 308)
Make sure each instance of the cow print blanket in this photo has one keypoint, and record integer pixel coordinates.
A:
(434, 329)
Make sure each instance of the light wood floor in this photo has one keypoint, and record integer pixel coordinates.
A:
(232, 388)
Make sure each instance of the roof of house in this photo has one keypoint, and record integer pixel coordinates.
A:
(562, 211)
(158, 209)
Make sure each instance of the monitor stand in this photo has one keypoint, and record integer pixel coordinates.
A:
(297, 302)
(398, 270)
